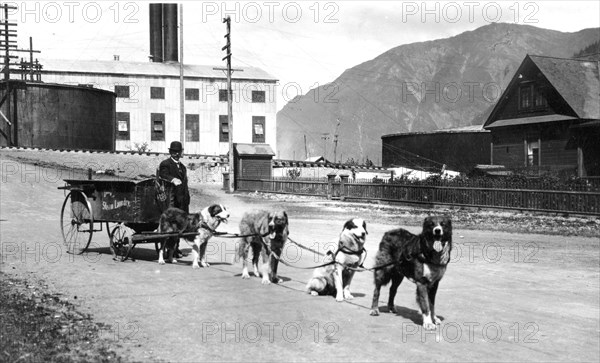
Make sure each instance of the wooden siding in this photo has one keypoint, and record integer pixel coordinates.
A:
(208, 108)
(460, 151)
(254, 167)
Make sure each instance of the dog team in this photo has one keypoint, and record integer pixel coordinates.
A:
(420, 258)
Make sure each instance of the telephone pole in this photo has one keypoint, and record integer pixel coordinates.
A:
(228, 72)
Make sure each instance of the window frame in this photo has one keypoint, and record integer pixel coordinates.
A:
(157, 135)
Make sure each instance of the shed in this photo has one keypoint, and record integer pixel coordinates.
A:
(252, 161)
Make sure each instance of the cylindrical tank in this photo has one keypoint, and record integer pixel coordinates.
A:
(170, 40)
(58, 116)
(156, 33)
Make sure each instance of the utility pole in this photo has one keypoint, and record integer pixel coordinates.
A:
(335, 141)
(229, 71)
(325, 137)
(305, 148)
(181, 88)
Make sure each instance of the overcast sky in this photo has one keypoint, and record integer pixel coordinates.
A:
(303, 43)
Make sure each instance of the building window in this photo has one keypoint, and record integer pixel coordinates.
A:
(531, 97)
(222, 95)
(192, 94)
(122, 125)
(539, 98)
(157, 124)
(223, 128)
(192, 128)
(258, 96)
(533, 152)
(157, 93)
(122, 91)
(258, 129)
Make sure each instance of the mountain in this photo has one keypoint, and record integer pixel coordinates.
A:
(424, 86)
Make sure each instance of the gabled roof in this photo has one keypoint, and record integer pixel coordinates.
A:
(577, 82)
(149, 69)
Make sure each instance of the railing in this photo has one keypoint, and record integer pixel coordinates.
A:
(555, 201)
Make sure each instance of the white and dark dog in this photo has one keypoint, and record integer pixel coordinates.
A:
(211, 217)
(266, 232)
(201, 227)
(335, 279)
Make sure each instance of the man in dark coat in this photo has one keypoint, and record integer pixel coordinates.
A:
(173, 171)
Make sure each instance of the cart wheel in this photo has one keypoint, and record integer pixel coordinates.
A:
(76, 222)
(121, 242)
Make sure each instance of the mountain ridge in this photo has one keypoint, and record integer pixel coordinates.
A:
(424, 86)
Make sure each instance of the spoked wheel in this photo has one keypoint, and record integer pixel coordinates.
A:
(76, 222)
(121, 242)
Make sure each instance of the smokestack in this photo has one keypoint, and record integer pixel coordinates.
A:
(156, 36)
(170, 41)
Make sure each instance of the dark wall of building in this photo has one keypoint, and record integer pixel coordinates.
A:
(460, 151)
(557, 150)
(254, 167)
(60, 116)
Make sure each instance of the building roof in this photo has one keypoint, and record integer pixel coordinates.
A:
(455, 130)
(316, 159)
(149, 69)
(577, 81)
(530, 120)
(254, 149)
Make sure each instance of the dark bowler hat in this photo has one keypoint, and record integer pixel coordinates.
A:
(176, 146)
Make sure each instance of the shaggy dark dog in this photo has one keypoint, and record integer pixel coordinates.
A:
(175, 220)
(266, 228)
(421, 258)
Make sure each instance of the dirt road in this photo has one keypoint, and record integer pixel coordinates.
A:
(505, 297)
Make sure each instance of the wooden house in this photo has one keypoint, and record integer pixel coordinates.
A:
(548, 118)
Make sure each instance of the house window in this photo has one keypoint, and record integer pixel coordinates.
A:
(533, 153)
(122, 125)
(222, 95)
(192, 94)
(157, 126)
(525, 97)
(539, 99)
(223, 128)
(122, 91)
(258, 129)
(531, 97)
(258, 96)
(157, 93)
(192, 128)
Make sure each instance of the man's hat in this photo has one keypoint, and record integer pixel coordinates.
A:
(176, 146)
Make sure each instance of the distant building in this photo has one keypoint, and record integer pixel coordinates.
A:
(148, 103)
(459, 149)
(548, 118)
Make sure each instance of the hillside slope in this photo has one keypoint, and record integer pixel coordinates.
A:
(423, 86)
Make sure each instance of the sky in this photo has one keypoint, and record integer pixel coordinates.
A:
(303, 44)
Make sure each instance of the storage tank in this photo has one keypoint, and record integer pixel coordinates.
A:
(57, 116)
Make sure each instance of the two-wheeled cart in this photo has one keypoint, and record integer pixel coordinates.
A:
(130, 205)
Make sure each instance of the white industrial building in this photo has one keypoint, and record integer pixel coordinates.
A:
(149, 98)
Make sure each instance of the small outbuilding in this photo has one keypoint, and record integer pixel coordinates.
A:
(252, 161)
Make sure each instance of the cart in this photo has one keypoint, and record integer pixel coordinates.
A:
(91, 205)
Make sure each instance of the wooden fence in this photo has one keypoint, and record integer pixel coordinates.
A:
(555, 201)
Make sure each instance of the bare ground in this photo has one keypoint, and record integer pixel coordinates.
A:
(507, 295)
